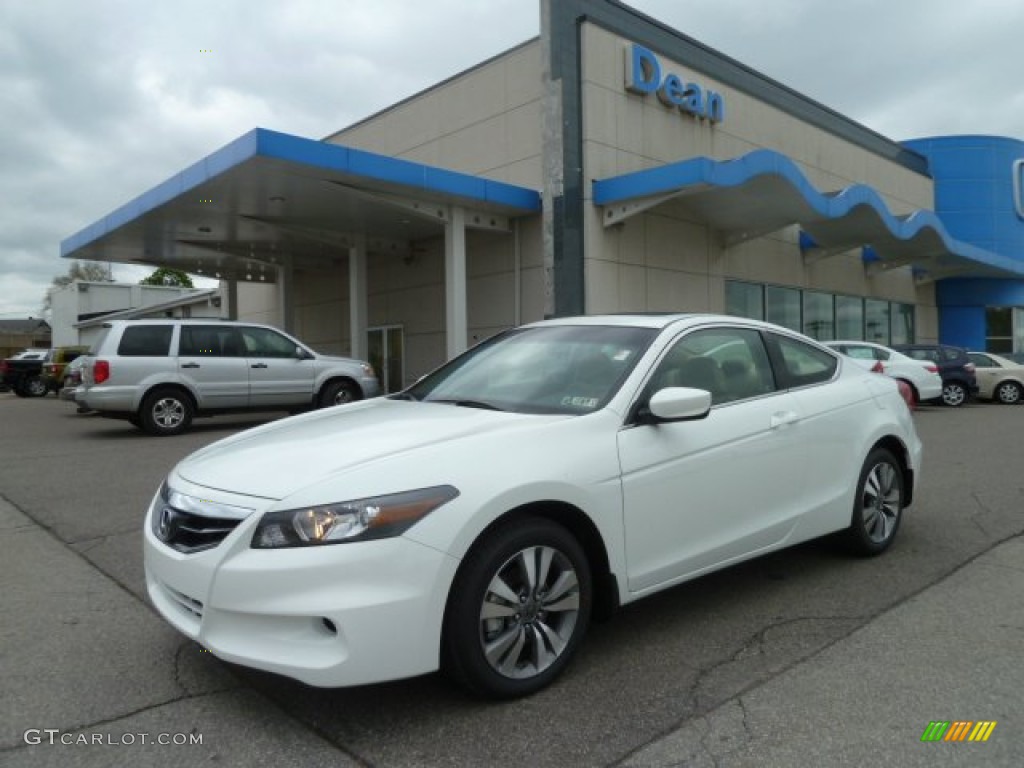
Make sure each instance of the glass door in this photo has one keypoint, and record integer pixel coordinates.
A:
(386, 353)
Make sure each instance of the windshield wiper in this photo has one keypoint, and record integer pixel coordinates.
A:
(470, 404)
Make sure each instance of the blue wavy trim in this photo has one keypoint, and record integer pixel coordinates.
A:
(812, 206)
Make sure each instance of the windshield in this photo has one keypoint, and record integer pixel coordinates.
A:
(571, 369)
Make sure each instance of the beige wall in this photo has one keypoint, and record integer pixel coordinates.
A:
(484, 122)
(666, 259)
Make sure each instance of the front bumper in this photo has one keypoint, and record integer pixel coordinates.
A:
(334, 615)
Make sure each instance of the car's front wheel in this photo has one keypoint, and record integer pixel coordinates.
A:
(1008, 393)
(338, 393)
(878, 505)
(954, 394)
(518, 609)
(166, 412)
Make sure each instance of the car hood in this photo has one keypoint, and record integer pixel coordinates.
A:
(278, 459)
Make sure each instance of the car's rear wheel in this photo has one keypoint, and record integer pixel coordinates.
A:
(518, 609)
(878, 505)
(954, 394)
(166, 412)
(1008, 393)
(338, 393)
(34, 386)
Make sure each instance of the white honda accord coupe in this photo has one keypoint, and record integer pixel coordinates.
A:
(478, 520)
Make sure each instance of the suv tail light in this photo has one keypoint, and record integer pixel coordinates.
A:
(878, 367)
(932, 368)
(100, 371)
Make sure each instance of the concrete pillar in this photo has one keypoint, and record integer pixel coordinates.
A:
(358, 301)
(231, 297)
(456, 325)
(286, 296)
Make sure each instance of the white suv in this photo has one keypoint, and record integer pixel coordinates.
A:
(158, 374)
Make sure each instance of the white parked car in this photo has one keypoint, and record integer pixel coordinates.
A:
(999, 378)
(476, 521)
(921, 376)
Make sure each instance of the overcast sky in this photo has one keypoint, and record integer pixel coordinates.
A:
(102, 100)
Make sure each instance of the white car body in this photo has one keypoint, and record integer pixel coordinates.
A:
(922, 376)
(785, 463)
(998, 378)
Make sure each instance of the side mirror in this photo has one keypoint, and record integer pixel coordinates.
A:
(676, 404)
(302, 354)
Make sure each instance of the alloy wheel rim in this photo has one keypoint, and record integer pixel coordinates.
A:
(343, 396)
(880, 502)
(529, 612)
(1009, 393)
(168, 413)
(953, 394)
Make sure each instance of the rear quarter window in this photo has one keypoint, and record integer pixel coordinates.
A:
(145, 341)
(801, 364)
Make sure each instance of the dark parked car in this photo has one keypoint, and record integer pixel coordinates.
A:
(959, 382)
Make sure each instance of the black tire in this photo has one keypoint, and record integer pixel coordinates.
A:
(166, 412)
(1008, 392)
(19, 390)
(34, 386)
(338, 393)
(877, 506)
(135, 421)
(531, 632)
(954, 394)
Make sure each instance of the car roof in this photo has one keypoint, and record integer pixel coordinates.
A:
(657, 320)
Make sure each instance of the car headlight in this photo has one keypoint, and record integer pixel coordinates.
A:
(378, 517)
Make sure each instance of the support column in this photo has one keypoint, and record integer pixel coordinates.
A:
(357, 299)
(456, 325)
(231, 297)
(286, 296)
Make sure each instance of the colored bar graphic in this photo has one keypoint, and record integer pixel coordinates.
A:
(958, 730)
(935, 731)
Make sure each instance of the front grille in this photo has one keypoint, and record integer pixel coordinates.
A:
(188, 532)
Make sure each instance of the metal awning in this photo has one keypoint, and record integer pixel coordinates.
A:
(764, 191)
(268, 197)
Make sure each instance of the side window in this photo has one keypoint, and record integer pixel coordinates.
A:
(209, 341)
(730, 363)
(861, 353)
(951, 354)
(262, 342)
(982, 361)
(145, 341)
(801, 364)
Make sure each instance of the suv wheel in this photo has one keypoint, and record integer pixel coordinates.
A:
(954, 394)
(338, 393)
(34, 386)
(166, 412)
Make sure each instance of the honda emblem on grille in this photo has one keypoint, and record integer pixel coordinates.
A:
(167, 524)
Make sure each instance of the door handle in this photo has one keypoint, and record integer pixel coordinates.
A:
(783, 418)
(190, 365)
(258, 365)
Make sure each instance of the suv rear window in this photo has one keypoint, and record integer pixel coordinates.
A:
(145, 341)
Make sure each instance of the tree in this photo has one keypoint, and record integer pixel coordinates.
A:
(89, 271)
(168, 276)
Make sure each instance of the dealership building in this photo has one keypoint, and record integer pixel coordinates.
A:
(611, 165)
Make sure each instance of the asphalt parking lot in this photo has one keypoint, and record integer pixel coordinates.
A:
(804, 657)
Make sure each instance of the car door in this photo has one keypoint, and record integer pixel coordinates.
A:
(698, 494)
(212, 360)
(987, 371)
(278, 376)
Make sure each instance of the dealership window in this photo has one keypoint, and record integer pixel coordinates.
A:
(849, 318)
(999, 330)
(782, 306)
(744, 299)
(876, 321)
(902, 331)
(828, 316)
(819, 317)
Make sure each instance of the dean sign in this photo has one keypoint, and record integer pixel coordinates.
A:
(644, 75)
